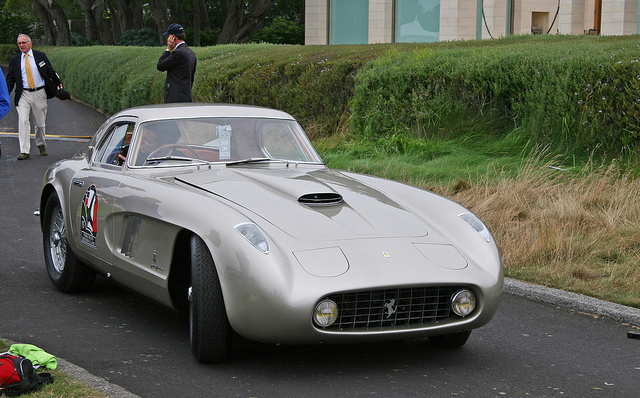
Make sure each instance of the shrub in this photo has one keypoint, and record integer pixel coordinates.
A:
(145, 37)
(576, 94)
(78, 40)
(281, 31)
(12, 25)
(573, 93)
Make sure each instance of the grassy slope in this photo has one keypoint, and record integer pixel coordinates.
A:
(558, 224)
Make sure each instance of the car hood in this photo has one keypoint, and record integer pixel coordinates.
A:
(316, 204)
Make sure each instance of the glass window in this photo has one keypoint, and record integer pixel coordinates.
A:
(417, 21)
(349, 22)
(171, 142)
(115, 147)
(280, 142)
(154, 136)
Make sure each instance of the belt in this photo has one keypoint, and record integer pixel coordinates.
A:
(34, 89)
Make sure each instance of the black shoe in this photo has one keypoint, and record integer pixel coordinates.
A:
(23, 156)
(43, 150)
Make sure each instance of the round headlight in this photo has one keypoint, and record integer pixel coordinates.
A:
(463, 302)
(326, 313)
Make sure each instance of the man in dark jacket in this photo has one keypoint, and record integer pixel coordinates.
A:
(32, 91)
(180, 63)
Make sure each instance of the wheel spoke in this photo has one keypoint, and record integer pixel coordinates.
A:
(58, 241)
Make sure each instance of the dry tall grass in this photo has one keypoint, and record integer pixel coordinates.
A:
(576, 232)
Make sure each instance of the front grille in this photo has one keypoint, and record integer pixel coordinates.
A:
(406, 308)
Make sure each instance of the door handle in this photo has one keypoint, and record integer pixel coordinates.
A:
(78, 183)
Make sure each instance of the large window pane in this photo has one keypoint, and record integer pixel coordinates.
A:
(349, 22)
(417, 21)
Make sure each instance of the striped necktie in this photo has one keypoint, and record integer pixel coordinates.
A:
(27, 67)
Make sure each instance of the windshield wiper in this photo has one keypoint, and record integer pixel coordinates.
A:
(178, 158)
(261, 160)
(251, 160)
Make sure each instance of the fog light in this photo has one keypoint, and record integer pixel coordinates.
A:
(463, 302)
(326, 313)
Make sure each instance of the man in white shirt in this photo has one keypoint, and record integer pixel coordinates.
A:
(35, 81)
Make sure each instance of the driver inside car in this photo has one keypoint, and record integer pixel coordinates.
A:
(154, 136)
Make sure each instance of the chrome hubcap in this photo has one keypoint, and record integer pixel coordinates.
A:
(58, 240)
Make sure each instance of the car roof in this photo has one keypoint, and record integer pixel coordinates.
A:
(191, 109)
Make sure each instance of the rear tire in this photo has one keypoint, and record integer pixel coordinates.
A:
(66, 272)
(209, 329)
(452, 340)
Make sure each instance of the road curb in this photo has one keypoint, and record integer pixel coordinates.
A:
(574, 301)
(96, 382)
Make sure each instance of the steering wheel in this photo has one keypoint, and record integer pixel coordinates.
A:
(170, 149)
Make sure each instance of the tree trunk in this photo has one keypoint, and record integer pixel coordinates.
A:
(196, 23)
(129, 15)
(204, 15)
(97, 27)
(57, 32)
(91, 28)
(115, 22)
(177, 16)
(240, 26)
(254, 20)
(232, 14)
(47, 23)
(159, 11)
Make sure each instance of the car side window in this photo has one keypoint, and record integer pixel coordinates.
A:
(115, 147)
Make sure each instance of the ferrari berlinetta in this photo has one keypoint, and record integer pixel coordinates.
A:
(228, 214)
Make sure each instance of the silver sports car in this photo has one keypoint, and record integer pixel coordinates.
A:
(227, 213)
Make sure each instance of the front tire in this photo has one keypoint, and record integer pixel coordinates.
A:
(209, 329)
(66, 272)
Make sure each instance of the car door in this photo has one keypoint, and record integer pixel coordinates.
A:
(91, 195)
(143, 240)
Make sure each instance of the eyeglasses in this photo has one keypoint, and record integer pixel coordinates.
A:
(23, 42)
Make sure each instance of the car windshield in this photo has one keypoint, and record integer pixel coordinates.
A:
(225, 140)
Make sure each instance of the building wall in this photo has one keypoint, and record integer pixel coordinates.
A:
(534, 16)
(316, 23)
(619, 17)
(495, 14)
(459, 18)
(381, 21)
(576, 16)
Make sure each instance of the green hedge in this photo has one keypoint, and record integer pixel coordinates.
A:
(313, 83)
(573, 92)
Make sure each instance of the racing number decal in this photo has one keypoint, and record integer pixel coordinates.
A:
(89, 217)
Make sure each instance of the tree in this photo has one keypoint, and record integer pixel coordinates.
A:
(281, 31)
(106, 20)
(160, 15)
(54, 22)
(242, 20)
(200, 20)
(96, 24)
(130, 14)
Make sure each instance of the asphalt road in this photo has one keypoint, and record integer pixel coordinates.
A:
(532, 348)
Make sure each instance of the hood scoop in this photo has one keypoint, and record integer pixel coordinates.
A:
(320, 199)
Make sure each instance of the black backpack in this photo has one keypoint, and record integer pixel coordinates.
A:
(17, 376)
